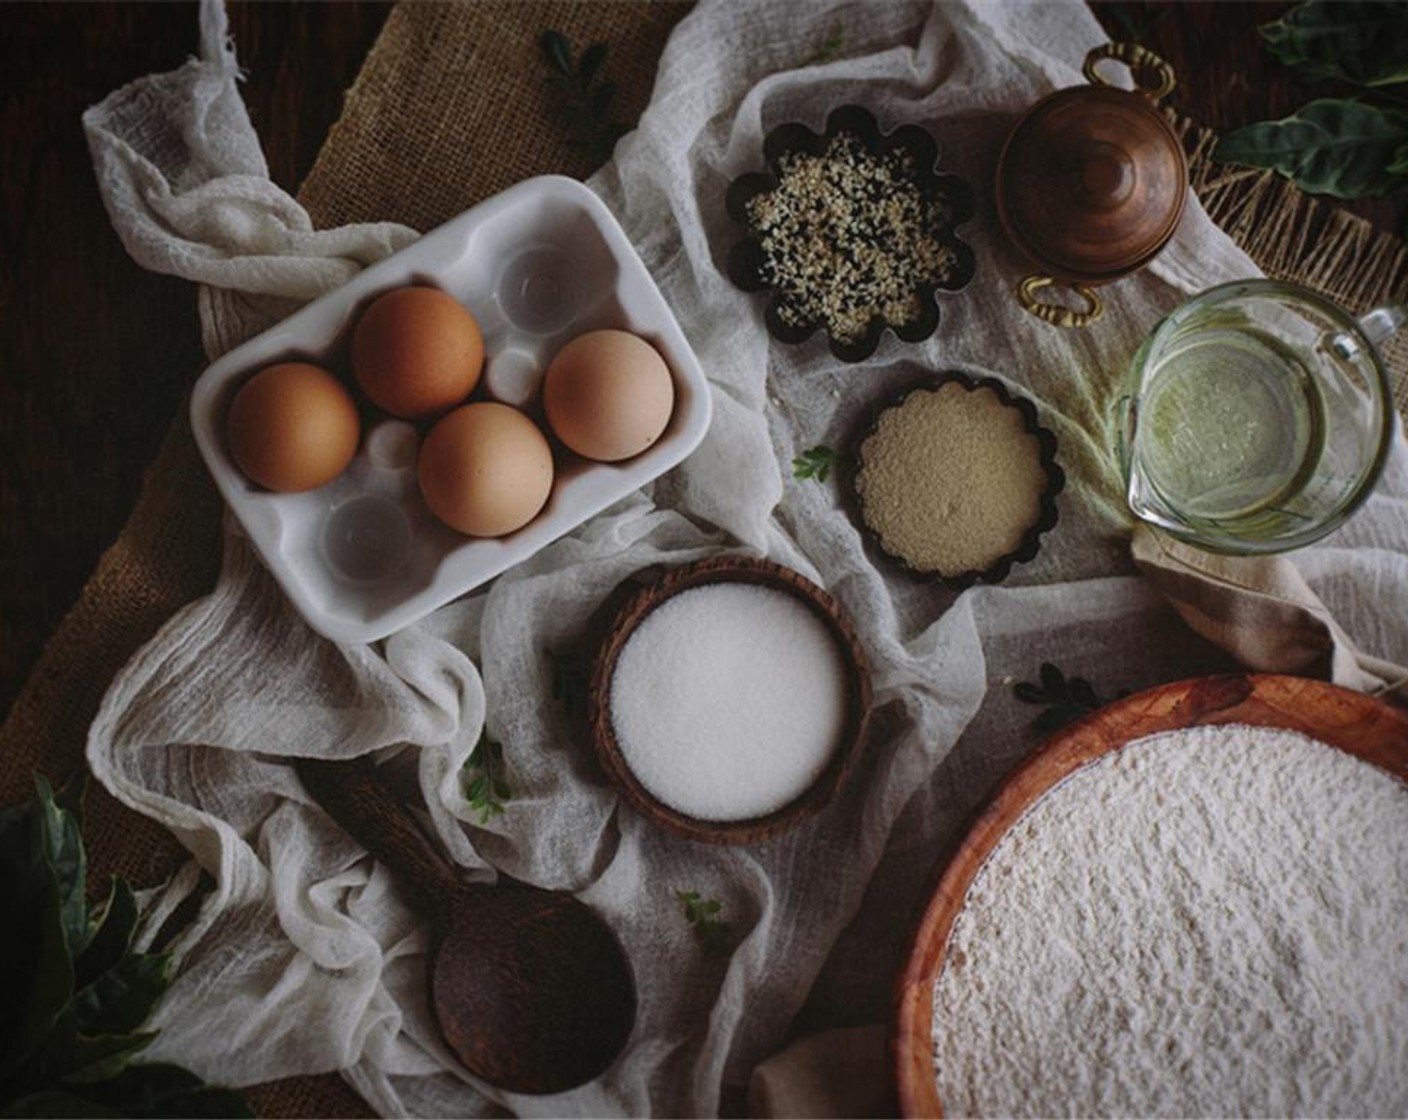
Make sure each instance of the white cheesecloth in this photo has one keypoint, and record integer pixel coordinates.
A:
(302, 958)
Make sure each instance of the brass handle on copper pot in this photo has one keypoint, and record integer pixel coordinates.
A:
(1054, 313)
(1141, 62)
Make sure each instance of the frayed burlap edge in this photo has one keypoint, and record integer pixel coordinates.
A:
(1294, 236)
(458, 101)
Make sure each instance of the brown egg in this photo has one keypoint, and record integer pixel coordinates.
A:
(485, 469)
(416, 352)
(608, 395)
(292, 426)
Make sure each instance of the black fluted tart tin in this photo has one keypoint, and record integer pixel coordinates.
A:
(747, 262)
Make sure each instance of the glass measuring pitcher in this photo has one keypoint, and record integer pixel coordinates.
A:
(1256, 417)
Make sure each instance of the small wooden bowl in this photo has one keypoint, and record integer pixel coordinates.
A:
(1370, 729)
(656, 589)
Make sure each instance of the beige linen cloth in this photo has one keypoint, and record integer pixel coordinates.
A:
(301, 958)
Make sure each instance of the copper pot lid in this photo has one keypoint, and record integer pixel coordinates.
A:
(1091, 182)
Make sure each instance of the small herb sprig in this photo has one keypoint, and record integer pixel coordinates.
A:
(816, 462)
(715, 936)
(1064, 698)
(485, 786)
(583, 101)
(77, 993)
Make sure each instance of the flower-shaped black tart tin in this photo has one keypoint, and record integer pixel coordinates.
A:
(999, 567)
(869, 176)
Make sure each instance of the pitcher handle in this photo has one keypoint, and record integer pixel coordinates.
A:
(1382, 323)
(1054, 313)
(1377, 326)
(1141, 62)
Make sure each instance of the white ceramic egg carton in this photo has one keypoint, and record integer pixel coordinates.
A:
(537, 265)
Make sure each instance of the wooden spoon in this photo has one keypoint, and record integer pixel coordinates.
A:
(530, 988)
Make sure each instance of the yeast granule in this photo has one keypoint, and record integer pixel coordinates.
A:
(950, 480)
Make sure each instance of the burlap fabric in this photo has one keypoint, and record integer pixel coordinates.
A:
(425, 134)
(1292, 236)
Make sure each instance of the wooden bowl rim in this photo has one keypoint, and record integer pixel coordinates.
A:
(1364, 726)
(660, 585)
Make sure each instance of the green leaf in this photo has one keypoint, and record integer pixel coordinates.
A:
(1053, 681)
(112, 935)
(1063, 698)
(592, 58)
(62, 846)
(1029, 693)
(160, 1090)
(559, 51)
(1359, 41)
(42, 869)
(1342, 148)
(483, 778)
(715, 937)
(815, 462)
(121, 999)
(581, 102)
(68, 1056)
(1082, 693)
(78, 994)
(49, 977)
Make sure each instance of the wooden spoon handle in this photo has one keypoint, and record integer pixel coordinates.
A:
(358, 800)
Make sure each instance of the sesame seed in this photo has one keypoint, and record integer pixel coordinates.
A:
(848, 236)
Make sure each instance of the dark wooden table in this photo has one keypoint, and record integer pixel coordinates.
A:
(96, 354)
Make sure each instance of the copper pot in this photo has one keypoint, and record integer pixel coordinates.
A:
(1091, 183)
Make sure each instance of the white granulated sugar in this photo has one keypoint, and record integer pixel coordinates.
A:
(729, 700)
(1209, 922)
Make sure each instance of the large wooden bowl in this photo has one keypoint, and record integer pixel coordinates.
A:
(737, 569)
(1361, 725)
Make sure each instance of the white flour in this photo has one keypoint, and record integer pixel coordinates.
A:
(1209, 922)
